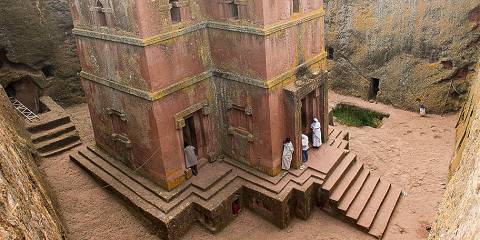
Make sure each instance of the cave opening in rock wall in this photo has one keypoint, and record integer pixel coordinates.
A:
(330, 53)
(27, 92)
(48, 71)
(374, 88)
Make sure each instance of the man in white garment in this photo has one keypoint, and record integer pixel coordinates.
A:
(191, 160)
(316, 133)
(287, 154)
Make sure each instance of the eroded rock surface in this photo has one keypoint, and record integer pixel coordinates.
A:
(459, 212)
(419, 50)
(36, 39)
(26, 210)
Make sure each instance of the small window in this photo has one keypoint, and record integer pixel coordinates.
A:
(102, 17)
(175, 13)
(234, 10)
(296, 6)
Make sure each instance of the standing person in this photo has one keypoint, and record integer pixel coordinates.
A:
(423, 110)
(316, 133)
(305, 146)
(191, 158)
(287, 154)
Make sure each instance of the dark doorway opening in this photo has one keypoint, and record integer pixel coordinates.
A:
(296, 6)
(304, 114)
(189, 135)
(330, 52)
(374, 88)
(236, 207)
(48, 70)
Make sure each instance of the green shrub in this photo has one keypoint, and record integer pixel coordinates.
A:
(357, 117)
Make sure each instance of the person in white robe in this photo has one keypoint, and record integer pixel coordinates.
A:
(191, 159)
(316, 133)
(287, 155)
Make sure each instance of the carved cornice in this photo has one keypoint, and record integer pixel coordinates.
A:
(147, 95)
(265, 31)
(180, 117)
(156, 95)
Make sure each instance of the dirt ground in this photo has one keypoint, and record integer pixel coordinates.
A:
(407, 150)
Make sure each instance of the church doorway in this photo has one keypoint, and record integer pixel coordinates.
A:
(310, 110)
(194, 134)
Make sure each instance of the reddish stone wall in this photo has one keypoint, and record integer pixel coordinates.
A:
(120, 63)
(157, 78)
(123, 22)
(173, 61)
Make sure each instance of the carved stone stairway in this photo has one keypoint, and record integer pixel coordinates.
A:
(357, 195)
(53, 132)
(333, 179)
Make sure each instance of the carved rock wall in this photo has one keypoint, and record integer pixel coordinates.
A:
(36, 39)
(26, 210)
(417, 49)
(459, 211)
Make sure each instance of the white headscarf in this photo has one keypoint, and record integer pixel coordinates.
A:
(315, 124)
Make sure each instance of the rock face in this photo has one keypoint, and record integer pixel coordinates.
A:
(459, 211)
(36, 40)
(26, 211)
(418, 50)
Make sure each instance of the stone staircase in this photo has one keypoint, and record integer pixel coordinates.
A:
(350, 191)
(358, 196)
(338, 138)
(53, 132)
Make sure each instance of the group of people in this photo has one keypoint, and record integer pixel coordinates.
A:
(191, 158)
(288, 149)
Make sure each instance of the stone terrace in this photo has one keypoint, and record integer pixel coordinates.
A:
(333, 180)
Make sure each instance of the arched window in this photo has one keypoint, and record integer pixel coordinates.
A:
(234, 10)
(102, 17)
(175, 13)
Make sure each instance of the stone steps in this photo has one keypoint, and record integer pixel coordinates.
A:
(370, 211)
(385, 212)
(61, 149)
(360, 197)
(354, 193)
(341, 169)
(57, 142)
(346, 182)
(48, 124)
(204, 194)
(54, 132)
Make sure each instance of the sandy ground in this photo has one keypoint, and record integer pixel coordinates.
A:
(407, 150)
